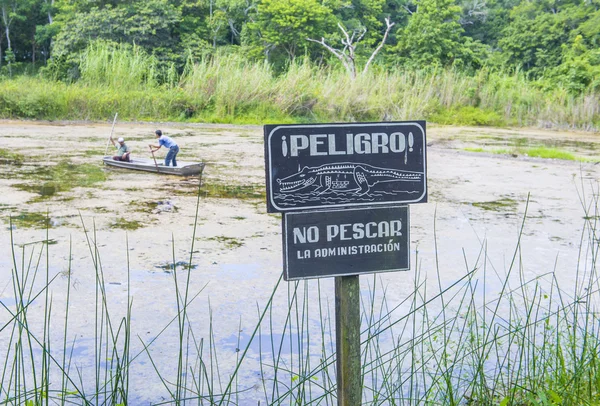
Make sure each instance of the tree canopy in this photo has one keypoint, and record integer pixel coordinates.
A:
(556, 39)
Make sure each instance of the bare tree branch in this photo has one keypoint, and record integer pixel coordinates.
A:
(387, 31)
(345, 59)
(234, 31)
(347, 55)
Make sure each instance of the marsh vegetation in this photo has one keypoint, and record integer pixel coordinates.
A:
(186, 306)
(213, 91)
(528, 342)
(507, 62)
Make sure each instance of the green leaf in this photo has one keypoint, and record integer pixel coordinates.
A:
(556, 398)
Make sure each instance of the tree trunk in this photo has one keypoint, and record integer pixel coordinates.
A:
(1, 39)
(50, 15)
(6, 25)
(7, 22)
(50, 20)
(33, 50)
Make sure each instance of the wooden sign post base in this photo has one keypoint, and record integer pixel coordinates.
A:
(347, 327)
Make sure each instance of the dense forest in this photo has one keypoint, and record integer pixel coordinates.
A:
(552, 44)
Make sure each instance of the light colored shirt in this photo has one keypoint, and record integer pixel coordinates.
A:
(122, 149)
(167, 142)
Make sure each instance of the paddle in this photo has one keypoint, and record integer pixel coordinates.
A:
(153, 157)
(111, 133)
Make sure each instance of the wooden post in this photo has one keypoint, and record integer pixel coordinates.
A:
(111, 133)
(347, 328)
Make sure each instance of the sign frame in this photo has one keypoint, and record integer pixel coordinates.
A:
(345, 165)
(291, 266)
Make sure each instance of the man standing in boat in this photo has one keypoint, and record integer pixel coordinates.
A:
(167, 142)
(123, 151)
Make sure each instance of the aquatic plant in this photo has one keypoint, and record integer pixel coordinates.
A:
(10, 158)
(229, 242)
(125, 224)
(64, 176)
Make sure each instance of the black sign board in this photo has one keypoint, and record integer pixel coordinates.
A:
(345, 242)
(344, 165)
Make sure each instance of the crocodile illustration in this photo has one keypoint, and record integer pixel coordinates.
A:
(343, 177)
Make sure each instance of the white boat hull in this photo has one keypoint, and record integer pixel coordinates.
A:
(148, 165)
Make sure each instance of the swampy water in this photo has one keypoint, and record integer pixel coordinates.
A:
(63, 215)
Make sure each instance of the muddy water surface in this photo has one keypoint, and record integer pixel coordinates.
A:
(134, 226)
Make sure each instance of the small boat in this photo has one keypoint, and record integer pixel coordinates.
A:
(149, 165)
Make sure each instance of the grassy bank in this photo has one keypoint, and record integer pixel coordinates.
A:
(526, 342)
(232, 90)
(535, 152)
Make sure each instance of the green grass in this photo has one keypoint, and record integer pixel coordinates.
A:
(550, 153)
(534, 152)
(230, 89)
(123, 67)
(468, 115)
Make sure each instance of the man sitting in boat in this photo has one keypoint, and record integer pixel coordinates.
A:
(123, 151)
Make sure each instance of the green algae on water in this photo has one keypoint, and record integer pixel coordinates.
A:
(222, 191)
(153, 207)
(124, 224)
(6, 207)
(500, 205)
(229, 242)
(31, 220)
(94, 152)
(235, 191)
(62, 177)
(168, 267)
(10, 158)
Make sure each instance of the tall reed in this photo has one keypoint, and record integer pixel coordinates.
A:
(120, 66)
(528, 342)
(229, 88)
